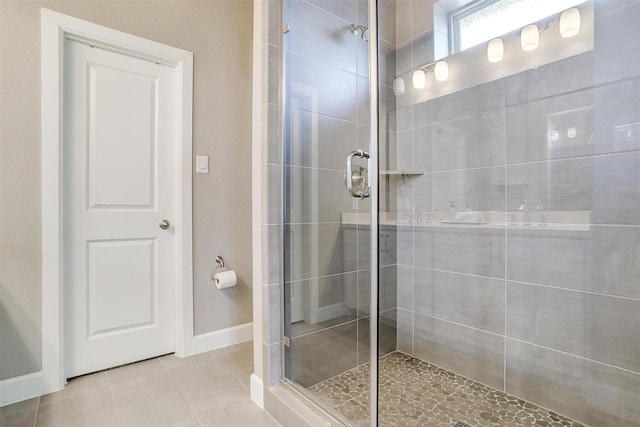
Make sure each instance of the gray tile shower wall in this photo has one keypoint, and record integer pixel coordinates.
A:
(469, 300)
(597, 327)
(472, 353)
(549, 313)
(333, 135)
(317, 250)
(594, 393)
(271, 166)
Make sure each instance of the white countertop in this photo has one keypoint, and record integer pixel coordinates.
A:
(567, 221)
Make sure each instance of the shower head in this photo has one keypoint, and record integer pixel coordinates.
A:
(364, 31)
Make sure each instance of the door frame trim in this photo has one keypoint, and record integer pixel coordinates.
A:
(55, 28)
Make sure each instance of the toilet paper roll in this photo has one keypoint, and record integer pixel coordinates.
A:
(225, 279)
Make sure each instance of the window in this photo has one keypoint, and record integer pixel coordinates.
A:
(484, 20)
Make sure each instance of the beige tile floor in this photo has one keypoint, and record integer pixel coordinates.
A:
(209, 389)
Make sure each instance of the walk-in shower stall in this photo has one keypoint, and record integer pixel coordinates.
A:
(459, 209)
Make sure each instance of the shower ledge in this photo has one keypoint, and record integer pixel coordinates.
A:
(403, 172)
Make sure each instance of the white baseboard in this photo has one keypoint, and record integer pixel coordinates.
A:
(20, 388)
(222, 338)
(257, 390)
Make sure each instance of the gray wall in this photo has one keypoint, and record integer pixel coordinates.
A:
(219, 33)
(551, 316)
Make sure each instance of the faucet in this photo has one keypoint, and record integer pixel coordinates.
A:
(429, 215)
(452, 210)
(525, 209)
(417, 211)
(410, 215)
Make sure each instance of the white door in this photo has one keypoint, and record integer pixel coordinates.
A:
(119, 187)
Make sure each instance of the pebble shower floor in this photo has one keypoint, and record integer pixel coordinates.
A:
(416, 393)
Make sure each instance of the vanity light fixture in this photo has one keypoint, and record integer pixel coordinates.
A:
(419, 79)
(398, 86)
(495, 50)
(529, 37)
(441, 71)
(569, 23)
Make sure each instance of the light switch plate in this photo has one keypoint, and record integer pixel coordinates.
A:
(202, 164)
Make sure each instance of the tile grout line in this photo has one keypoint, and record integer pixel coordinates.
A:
(559, 288)
(506, 268)
(175, 386)
(581, 291)
(113, 404)
(629, 371)
(533, 344)
(356, 319)
(35, 420)
(506, 106)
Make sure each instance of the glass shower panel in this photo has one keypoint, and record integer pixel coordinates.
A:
(517, 204)
(325, 229)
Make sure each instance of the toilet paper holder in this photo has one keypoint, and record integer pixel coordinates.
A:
(220, 262)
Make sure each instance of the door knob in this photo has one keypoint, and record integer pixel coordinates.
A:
(164, 224)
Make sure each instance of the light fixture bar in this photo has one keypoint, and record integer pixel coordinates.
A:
(440, 69)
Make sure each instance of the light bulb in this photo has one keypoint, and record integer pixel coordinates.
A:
(571, 132)
(529, 37)
(419, 79)
(570, 23)
(495, 50)
(441, 71)
(398, 86)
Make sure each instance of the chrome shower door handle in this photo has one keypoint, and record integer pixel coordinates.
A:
(359, 174)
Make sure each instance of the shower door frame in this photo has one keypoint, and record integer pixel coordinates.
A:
(374, 207)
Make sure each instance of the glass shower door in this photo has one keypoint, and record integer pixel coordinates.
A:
(504, 234)
(327, 210)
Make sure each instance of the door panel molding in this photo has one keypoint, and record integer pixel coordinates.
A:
(140, 315)
(55, 28)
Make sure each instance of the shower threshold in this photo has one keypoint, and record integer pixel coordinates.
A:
(416, 393)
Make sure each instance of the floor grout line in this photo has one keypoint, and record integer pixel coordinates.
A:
(35, 420)
(113, 405)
